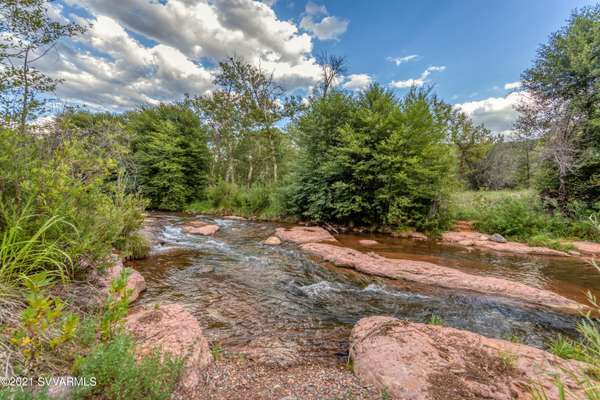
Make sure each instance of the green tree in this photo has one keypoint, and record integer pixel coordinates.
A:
(170, 155)
(473, 144)
(564, 85)
(28, 34)
(373, 160)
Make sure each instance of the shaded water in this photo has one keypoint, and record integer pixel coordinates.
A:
(247, 295)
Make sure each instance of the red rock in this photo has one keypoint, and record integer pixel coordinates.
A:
(368, 242)
(436, 275)
(135, 283)
(484, 242)
(304, 234)
(410, 235)
(589, 248)
(466, 243)
(173, 330)
(272, 241)
(200, 228)
(426, 362)
(235, 217)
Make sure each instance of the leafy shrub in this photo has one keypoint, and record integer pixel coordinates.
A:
(170, 155)
(44, 325)
(258, 200)
(521, 215)
(373, 160)
(120, 377)
(65, 194)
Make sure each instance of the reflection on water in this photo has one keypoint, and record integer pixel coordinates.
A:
(243, 292)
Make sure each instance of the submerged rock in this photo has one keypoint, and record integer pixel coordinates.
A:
(368, 242)
(272, 241)
(437, 275)
(304, 234)
(426, 362)
(200, 228)
(171, 329)
(135, 283)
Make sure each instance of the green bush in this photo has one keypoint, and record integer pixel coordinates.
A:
(373, 160)
(170, 155)
(64, 194)
(521, 215)
(258, 200)
(120, 377)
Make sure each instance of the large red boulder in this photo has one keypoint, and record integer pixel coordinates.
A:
(437, 275)
(411, 361)
(136, 283)
(200, 228)
(171, 329)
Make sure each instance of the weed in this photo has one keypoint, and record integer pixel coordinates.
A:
(436, 320)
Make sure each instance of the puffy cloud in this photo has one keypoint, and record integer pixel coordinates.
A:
(512, 85)
(402, 60)
(328, 28)
(420, 81)
(357, 81)
(140, 51)
(497, 113)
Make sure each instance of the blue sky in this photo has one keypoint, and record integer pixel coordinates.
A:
(141, 51)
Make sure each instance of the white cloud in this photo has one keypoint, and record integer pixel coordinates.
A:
(402, 60)
(512, 85)
(140, 51)
(497, 113)
(328, 28)
(357, 81)
(420, 81)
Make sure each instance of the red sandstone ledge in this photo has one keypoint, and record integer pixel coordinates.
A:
(436, 275)
(425, 362)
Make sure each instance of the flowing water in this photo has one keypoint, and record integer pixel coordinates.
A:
(250, 296)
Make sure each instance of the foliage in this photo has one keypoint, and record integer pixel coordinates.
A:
(119, 376)
(263, 201)
(28, 34)
(436, 320)
(65, 194)
(22, 255)
(566, 348)
(564, 109)
(170, 155)
(44, 325)
(521, 215)
(116, 305)
(372, 160)
(473, 144)
(242, 117)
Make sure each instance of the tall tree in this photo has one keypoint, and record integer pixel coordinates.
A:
(170, 153)
(332, 68)
(243, 116)
(28, 34)
(564, 84)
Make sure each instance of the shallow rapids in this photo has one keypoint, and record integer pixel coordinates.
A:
(250, 296)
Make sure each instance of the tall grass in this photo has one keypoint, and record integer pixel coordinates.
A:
(23, 254)
(259, 200)
(521, 215)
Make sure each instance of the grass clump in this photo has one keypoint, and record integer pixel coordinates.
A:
(522, 216)
(258, 200)
(436, 320)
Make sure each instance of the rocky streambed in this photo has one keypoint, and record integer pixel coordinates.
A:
(278, 305)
